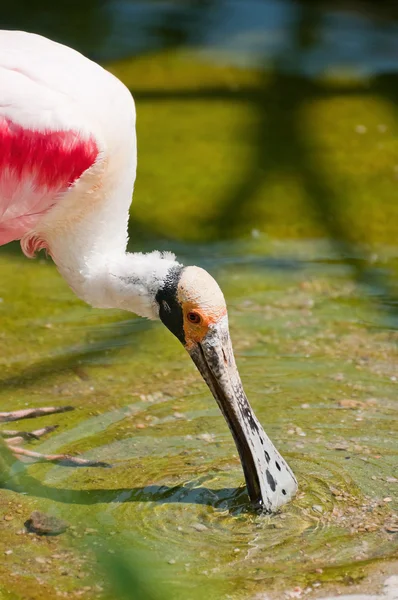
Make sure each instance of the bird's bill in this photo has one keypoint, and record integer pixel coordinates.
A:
(270, 482)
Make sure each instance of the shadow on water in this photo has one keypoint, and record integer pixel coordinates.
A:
(230, 499)
(279, 146)
(109, 340)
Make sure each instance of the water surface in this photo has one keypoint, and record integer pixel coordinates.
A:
(281, 182)
(320, 371)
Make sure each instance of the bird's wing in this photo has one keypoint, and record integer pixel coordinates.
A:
(59, 112)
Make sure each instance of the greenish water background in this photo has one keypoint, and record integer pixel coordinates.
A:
(281, 181)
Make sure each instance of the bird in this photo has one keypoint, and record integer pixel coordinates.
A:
(68, 158)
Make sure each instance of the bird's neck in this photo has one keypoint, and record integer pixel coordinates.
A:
(126, 281)
(86, 236)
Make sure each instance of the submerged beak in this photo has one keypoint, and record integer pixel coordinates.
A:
(270, 481)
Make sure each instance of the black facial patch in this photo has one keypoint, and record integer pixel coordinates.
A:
(170, 310)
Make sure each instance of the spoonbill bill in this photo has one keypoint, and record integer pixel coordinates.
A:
(67, 169)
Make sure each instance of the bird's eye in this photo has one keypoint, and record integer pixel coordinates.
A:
(194, 317)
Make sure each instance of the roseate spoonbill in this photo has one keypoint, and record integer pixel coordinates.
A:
(67, 169)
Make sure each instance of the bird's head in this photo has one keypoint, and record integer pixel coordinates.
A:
(192, 306)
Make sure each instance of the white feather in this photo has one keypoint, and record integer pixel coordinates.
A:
(46, 86)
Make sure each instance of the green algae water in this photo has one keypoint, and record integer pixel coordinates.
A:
(320, 369)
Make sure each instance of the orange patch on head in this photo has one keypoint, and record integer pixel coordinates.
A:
(202, 303)
(197, 322)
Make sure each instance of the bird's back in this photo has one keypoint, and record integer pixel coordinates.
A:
(59, 113)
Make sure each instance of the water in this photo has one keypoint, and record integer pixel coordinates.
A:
(283, 187)
(321, 381)
(245, 33)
